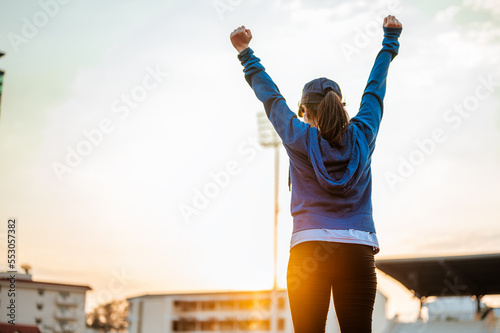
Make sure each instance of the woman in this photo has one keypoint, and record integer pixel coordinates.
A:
(333, 242)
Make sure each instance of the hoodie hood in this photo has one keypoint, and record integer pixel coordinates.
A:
(338, 171)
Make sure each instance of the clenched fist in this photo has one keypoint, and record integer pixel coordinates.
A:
(240, 38)
(392, 22)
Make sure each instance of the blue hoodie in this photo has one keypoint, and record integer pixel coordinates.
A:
(331, 188)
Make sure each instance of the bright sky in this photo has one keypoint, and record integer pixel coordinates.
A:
(118, 116)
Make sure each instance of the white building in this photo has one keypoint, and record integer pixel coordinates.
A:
(53, 307)
(230, 311)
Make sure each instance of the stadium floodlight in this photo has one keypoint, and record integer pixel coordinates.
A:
(267, 134)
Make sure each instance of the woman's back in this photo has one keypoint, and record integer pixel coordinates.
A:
(333, 241)
(331, 187)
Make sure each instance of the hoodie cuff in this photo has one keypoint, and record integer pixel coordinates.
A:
(245, 54)
(390, 42)
(392, 32)
(250, 63)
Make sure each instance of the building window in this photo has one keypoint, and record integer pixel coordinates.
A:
(208, 325)
(62, 324)
(281, 303)
(183, 325)
(264, 303)
(64, 294)
(246, 304)
(40, 292)
(227, 325)
(227, 305)
(254, 325)
(208, 306)
(281, 324)
(185, 305)
(39, 306)
(38, 321)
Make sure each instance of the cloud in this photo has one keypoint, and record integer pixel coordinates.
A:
(483, 5)
(447, 15)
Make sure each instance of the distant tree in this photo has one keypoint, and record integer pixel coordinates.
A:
(109, 317)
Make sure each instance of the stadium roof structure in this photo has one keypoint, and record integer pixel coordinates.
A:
(473, 275)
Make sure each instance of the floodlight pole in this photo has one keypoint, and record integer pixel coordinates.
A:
(269, 138)
(276, 211)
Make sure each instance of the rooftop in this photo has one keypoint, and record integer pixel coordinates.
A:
(215, 292)
(472, 275)
(27, 279)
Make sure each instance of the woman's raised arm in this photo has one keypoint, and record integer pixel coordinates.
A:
(370, 112)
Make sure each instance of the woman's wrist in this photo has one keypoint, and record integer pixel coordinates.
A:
(241, 49)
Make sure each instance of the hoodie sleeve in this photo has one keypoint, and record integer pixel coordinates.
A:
(371, 110)
(292, 131)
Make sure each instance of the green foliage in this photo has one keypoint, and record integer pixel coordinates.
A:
(109, 317)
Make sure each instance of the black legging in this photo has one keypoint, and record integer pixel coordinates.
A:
(315, 270)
